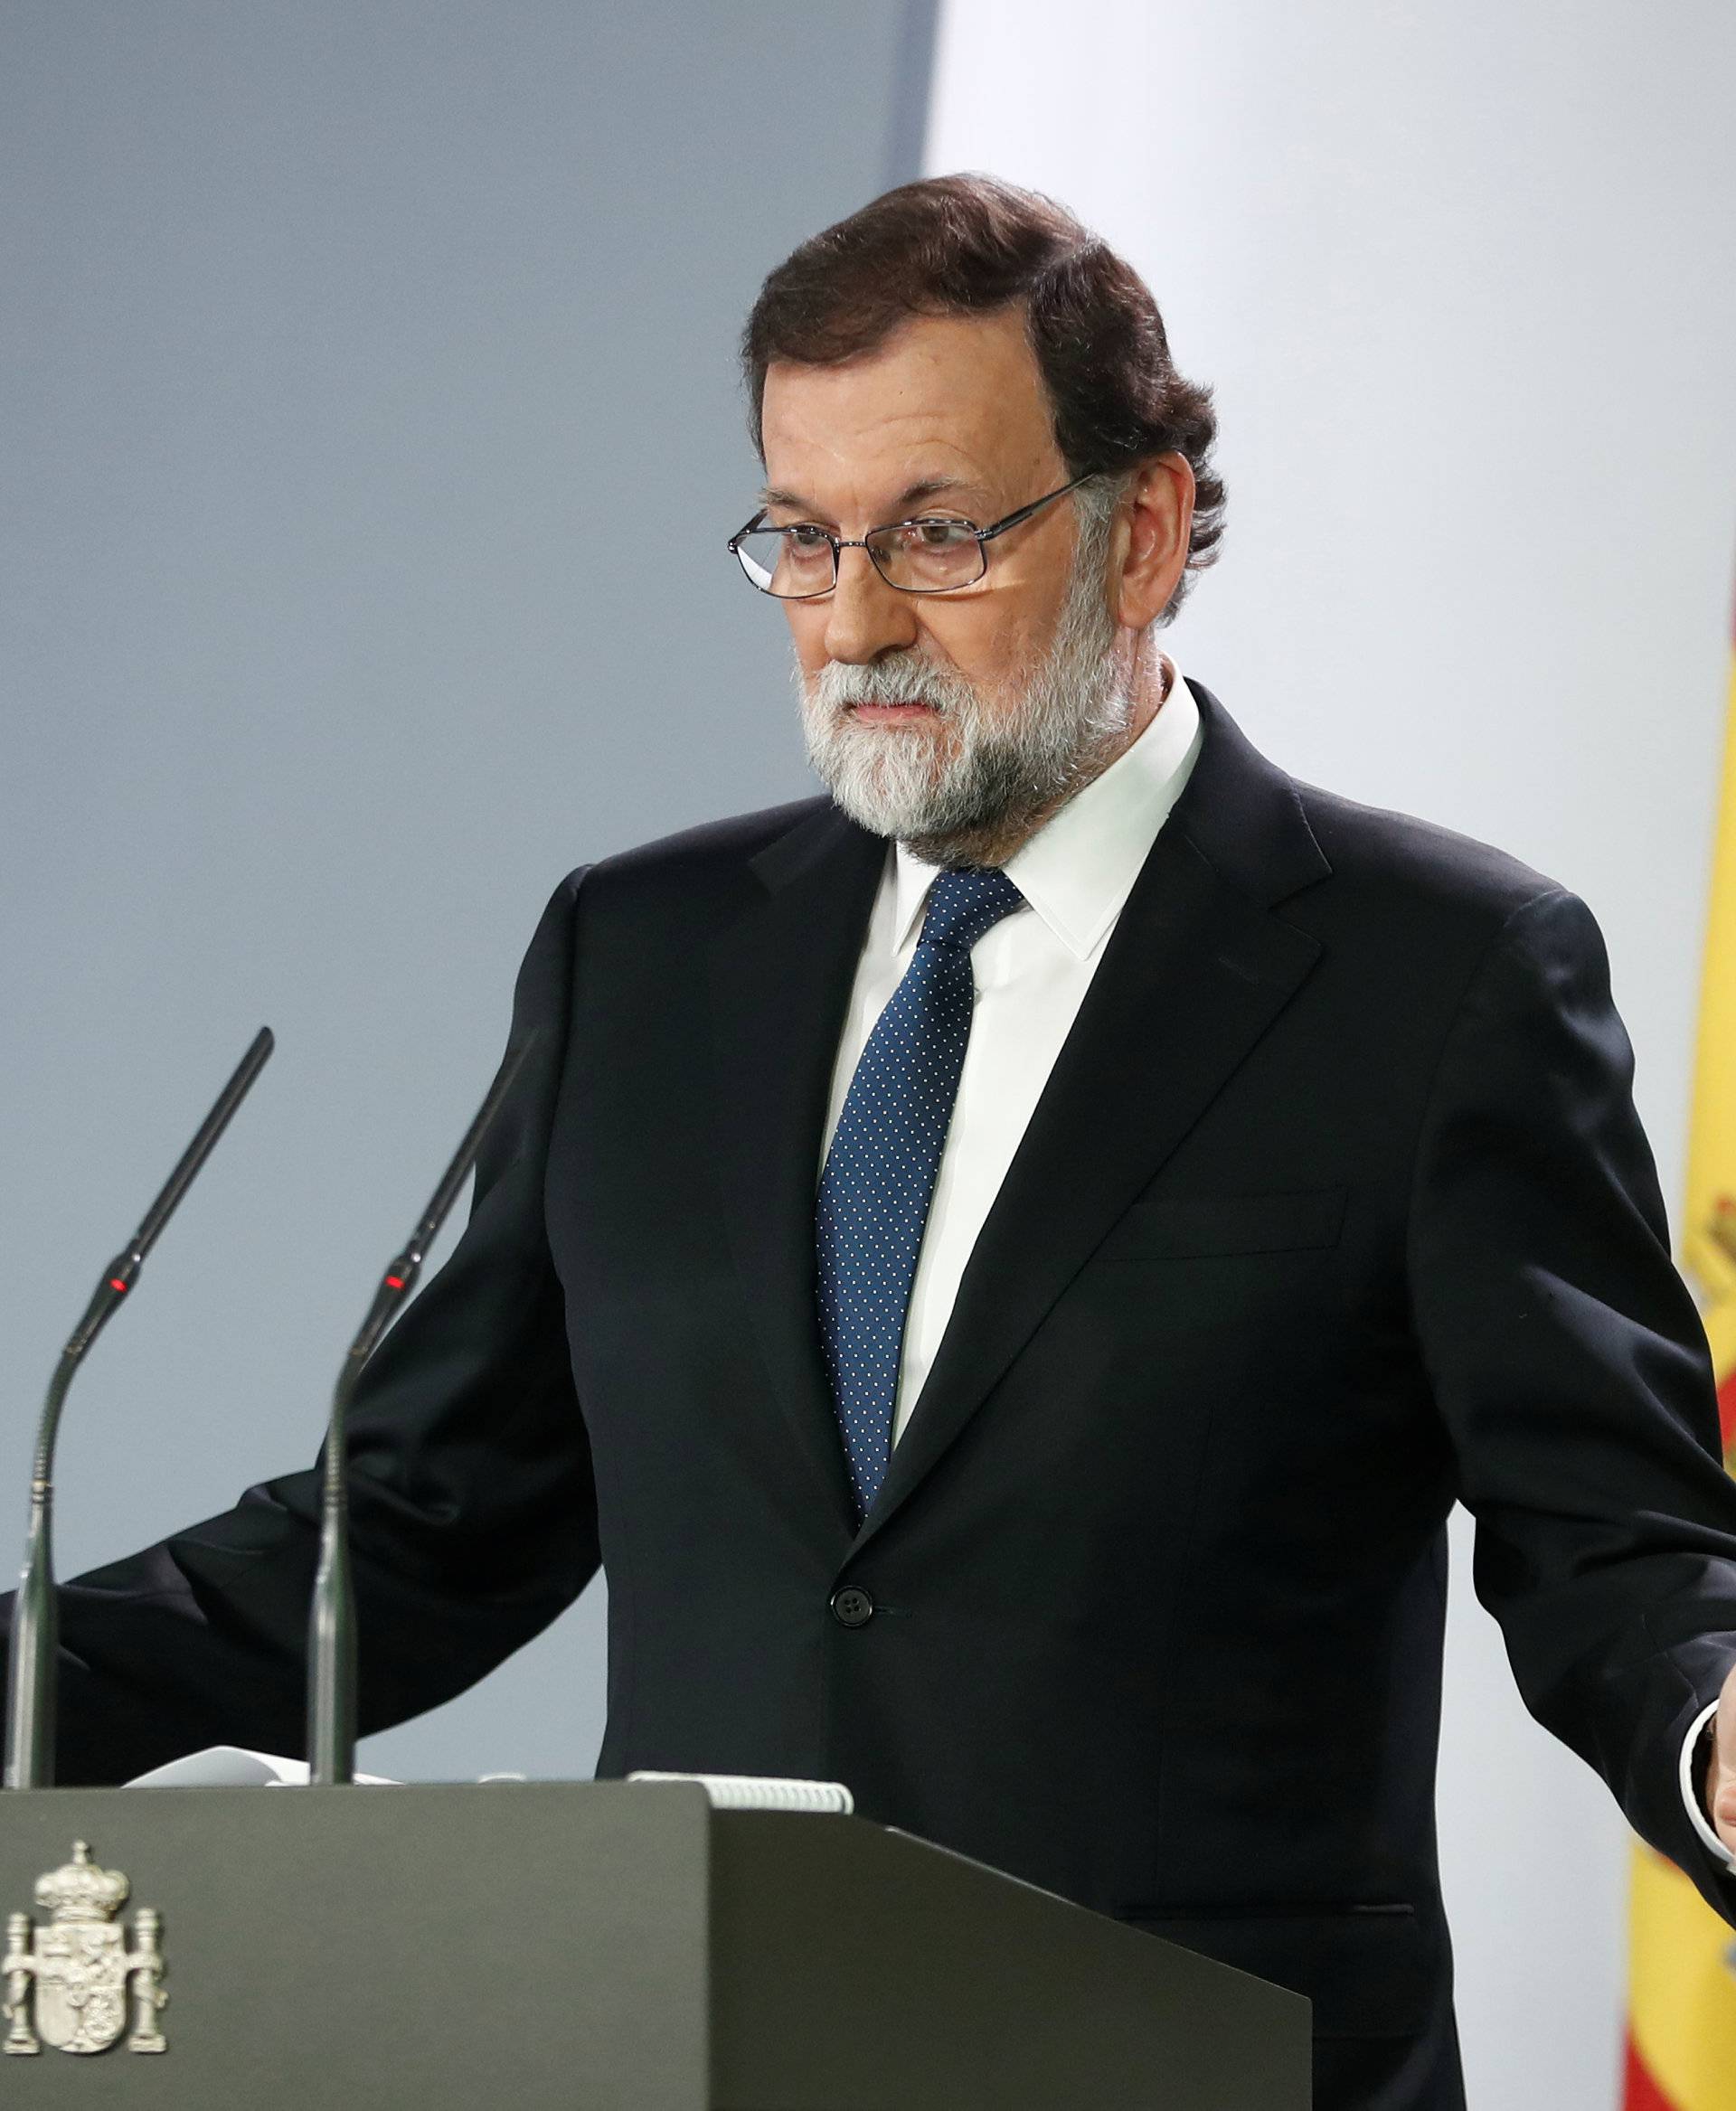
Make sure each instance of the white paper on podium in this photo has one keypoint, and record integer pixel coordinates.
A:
(229, 1767)
(761, 1792)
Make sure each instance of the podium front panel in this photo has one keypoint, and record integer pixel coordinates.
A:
(872, 1971)
(580, 1947)
(541, 1946)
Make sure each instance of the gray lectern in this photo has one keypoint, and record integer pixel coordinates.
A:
(605, 1946)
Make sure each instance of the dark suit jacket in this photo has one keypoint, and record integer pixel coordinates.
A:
(1335, 1211)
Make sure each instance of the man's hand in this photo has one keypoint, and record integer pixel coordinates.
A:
(1718, 1791)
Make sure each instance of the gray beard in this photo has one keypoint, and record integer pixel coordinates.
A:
(967, 790)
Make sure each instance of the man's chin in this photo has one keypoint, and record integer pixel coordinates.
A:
(895, 810)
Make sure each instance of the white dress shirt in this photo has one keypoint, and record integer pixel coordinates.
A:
(1031, 971)
(1691, 1790)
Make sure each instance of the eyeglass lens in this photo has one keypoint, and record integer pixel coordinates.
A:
(923, 556)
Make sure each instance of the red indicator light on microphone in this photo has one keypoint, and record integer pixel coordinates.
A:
(115, 1283)
(394, 1282)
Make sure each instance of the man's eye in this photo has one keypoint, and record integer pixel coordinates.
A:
(937, 534)
(805, 542)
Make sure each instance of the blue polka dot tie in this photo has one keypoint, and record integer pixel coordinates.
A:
(879, 1175)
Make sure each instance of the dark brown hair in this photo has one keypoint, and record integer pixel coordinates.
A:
(966, 245)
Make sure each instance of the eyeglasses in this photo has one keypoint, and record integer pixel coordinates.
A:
(932, 554)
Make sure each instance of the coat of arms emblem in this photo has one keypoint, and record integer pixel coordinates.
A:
(68, 1985)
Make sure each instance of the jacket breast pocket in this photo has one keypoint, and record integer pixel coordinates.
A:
(1185, 1227)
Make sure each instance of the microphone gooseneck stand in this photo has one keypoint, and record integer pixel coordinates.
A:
(35, 1622)
(331, 1628)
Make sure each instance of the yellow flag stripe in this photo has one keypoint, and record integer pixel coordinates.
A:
(1683, 1993)
(1682, 1956)
(1709, 1237)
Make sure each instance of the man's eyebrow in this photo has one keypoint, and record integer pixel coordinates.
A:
(791, 501)
(935, 487)
(912, 495)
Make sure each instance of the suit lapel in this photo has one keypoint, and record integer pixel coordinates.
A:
(1196, 970)
(781, 977)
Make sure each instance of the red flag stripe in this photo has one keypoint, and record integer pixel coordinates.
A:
(1727, 1411)
(1639, 2091)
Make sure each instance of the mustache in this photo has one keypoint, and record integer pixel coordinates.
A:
(907, 679)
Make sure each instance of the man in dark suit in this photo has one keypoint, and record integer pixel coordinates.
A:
(1012, 1312)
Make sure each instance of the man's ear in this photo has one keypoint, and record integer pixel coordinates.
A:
(1149, 548)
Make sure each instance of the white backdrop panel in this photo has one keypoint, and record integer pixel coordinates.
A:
(1462, 281)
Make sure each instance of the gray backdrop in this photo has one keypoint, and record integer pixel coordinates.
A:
(370, 433)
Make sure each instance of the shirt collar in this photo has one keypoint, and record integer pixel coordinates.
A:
(1078, 869)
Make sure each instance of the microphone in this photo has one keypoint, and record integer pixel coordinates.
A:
(331, 1626)
(35, 1624)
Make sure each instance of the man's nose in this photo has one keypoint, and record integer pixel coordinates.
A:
(866, 616)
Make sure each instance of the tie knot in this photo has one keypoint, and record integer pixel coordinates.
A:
(963, 905)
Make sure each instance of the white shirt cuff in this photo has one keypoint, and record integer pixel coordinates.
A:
(1691, 1794)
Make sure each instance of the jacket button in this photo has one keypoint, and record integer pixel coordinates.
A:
(852, 1608)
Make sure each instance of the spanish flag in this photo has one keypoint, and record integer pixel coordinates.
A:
(1682, 1959)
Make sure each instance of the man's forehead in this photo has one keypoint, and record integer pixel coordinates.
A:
(946, 405)
(935, 489)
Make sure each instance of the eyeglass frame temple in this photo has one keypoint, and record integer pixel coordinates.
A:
(841, 542)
